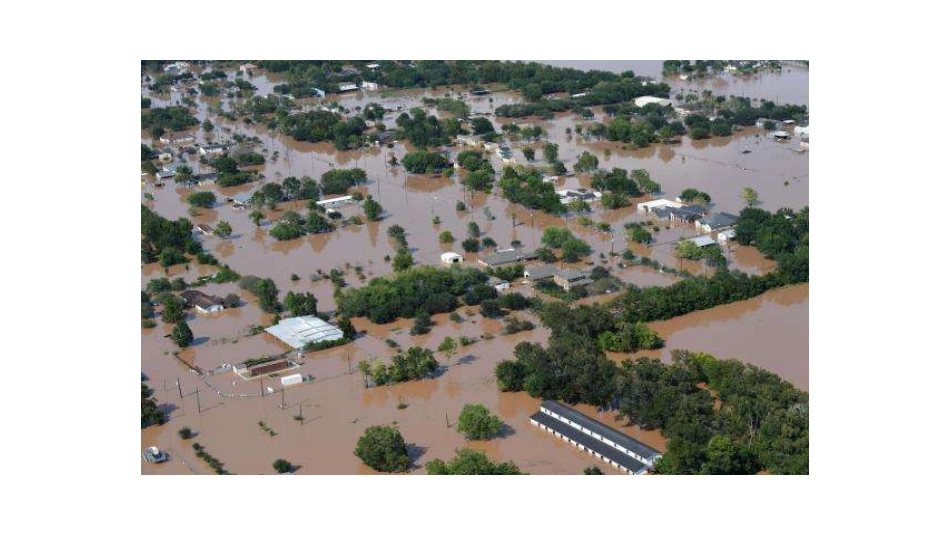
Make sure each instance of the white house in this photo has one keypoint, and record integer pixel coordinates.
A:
(348, 87)
(643, 101)
(726, 235)
(369, 86)
(214, 148)
(450, 258)
(498, 284)
(319, 92)
(649, 206)
(203, 303)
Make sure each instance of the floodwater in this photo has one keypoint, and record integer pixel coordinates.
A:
(336, 407)
(769, 331)
(790, 86)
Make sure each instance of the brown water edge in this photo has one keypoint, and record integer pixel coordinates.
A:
(769, 331)
(337, 409)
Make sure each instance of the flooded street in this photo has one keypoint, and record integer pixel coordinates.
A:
(770, 331)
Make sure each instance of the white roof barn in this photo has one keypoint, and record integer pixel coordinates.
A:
(298, 332)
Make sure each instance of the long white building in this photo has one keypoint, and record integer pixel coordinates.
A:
(602, 441)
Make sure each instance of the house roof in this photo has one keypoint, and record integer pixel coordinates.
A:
(571, 274)
(500, 257)
(702, 241)
(603, 430)
(494, 281)
(297, 332)
(720, 220)
(589, 442)
(540, 272)
(201, 299)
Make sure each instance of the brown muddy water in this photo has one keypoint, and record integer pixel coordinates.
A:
(790, 86)
(770, 331)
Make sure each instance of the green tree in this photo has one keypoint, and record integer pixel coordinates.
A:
(172, 309)
(422, 324)
(372, 209)
(476, 422)
(256, 216)
(222, 229)
(181, 334)
(723, 456)
(151, 415)
(550, 152)
(204, 199)
(750, 196)
(403, 259)
(554, 237)
(586, 162)
(528, 153)
(282, 466)
(207, 126)
(510, 375)
(383, 449)
(593, 471)
(446, 237)
(448, 346)
(470, 462)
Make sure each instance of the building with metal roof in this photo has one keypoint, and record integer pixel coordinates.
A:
(604, 442)
(540, 272)
(702, 241)
(507, 256)
(298, 332)
(717, 221)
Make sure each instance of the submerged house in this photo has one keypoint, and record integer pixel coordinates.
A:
(717, 222)
(569, 279)
(202, 302)
(508, 256)
(568, 195)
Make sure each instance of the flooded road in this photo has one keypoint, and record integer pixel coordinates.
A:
(770, 331)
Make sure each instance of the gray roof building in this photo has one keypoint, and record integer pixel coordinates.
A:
(718, 221)
(540, 272)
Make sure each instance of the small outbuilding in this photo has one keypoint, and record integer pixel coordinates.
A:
(451, 258)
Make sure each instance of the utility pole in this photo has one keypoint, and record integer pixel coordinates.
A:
(262, 388)
(282, 398)
(300, 413)
(198, 396)
(178, 382)
(447, 420)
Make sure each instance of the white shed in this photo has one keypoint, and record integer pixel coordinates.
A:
(291, 380)
(450, 258)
